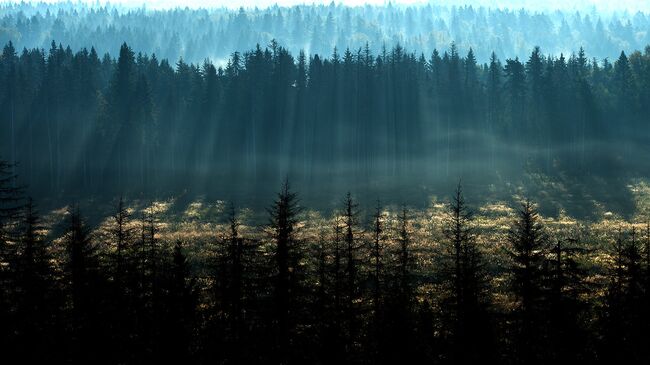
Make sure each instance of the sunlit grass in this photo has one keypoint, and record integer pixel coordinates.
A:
(201, 224)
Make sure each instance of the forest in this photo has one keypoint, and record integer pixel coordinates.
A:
(444, 286)
(324, 184)
(508, 28)
(78, 122)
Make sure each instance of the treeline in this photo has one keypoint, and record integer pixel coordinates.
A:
(78, 122)
(356, 293)
(194, 34)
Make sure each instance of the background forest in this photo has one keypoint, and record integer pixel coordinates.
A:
(89, 125)
(215, 33)
(156, 141)
(380, 112)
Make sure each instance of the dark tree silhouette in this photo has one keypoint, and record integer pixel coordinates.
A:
(288, 271)
(85, 284)
(73, 306)
(567, 309)
(622, 329)
(37, 297)
(10, 209)
(378, 282)
(400, 321)
(234, 291)
(528, 242)
(180, 310)
(351, 307)
(465, 279)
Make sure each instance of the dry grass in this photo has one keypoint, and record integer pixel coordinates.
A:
(201, 224)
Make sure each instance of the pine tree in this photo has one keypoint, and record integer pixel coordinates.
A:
(11, 197)
(233, 295)
(121, 235)
(321, 303)
(125, 280)
(287, 269)
(567, 309)
(405, 261)
(494, 101)
(645, 303)
(515, 83)
(121, 104)
(352, 294)
(37, 300)
(400, 321)
(180, 313)
(335, 336)
(528, 243)
(624, 87)
(10, 212)
(631, 300)
(377, 265)
(534, 69)
(85, 288)
(464, 279)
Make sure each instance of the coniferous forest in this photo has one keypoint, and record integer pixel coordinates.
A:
(324, 184)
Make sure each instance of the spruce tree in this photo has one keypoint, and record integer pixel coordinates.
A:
(85, 289)
(378, 279)
(352, 291)
(465, 302)
(10, 212)
(567, 310)
(288, 270)
(37, 300)
(180, 313)
(528, 245)
(400, 321)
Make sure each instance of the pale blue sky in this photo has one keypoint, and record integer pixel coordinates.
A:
(630, 5)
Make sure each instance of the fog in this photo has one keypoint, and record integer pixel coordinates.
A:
(195, 35)
(315, 182)
(392, 102)
(396, 126)
(602, 5)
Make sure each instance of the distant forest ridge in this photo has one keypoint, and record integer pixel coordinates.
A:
(78, 122)
(194, 34)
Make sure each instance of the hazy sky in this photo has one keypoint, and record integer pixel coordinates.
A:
(631, 5)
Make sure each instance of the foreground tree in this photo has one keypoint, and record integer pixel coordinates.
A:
(400, 320)
(85, 286)
(567, 308)
(233, 292)
(125, 279)
(38, 298)
(177, 335)
(351, 305)
(287, 271)
(465, 280)
(528, 245)
(11, 196)
(623, 311)
(377, 331)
